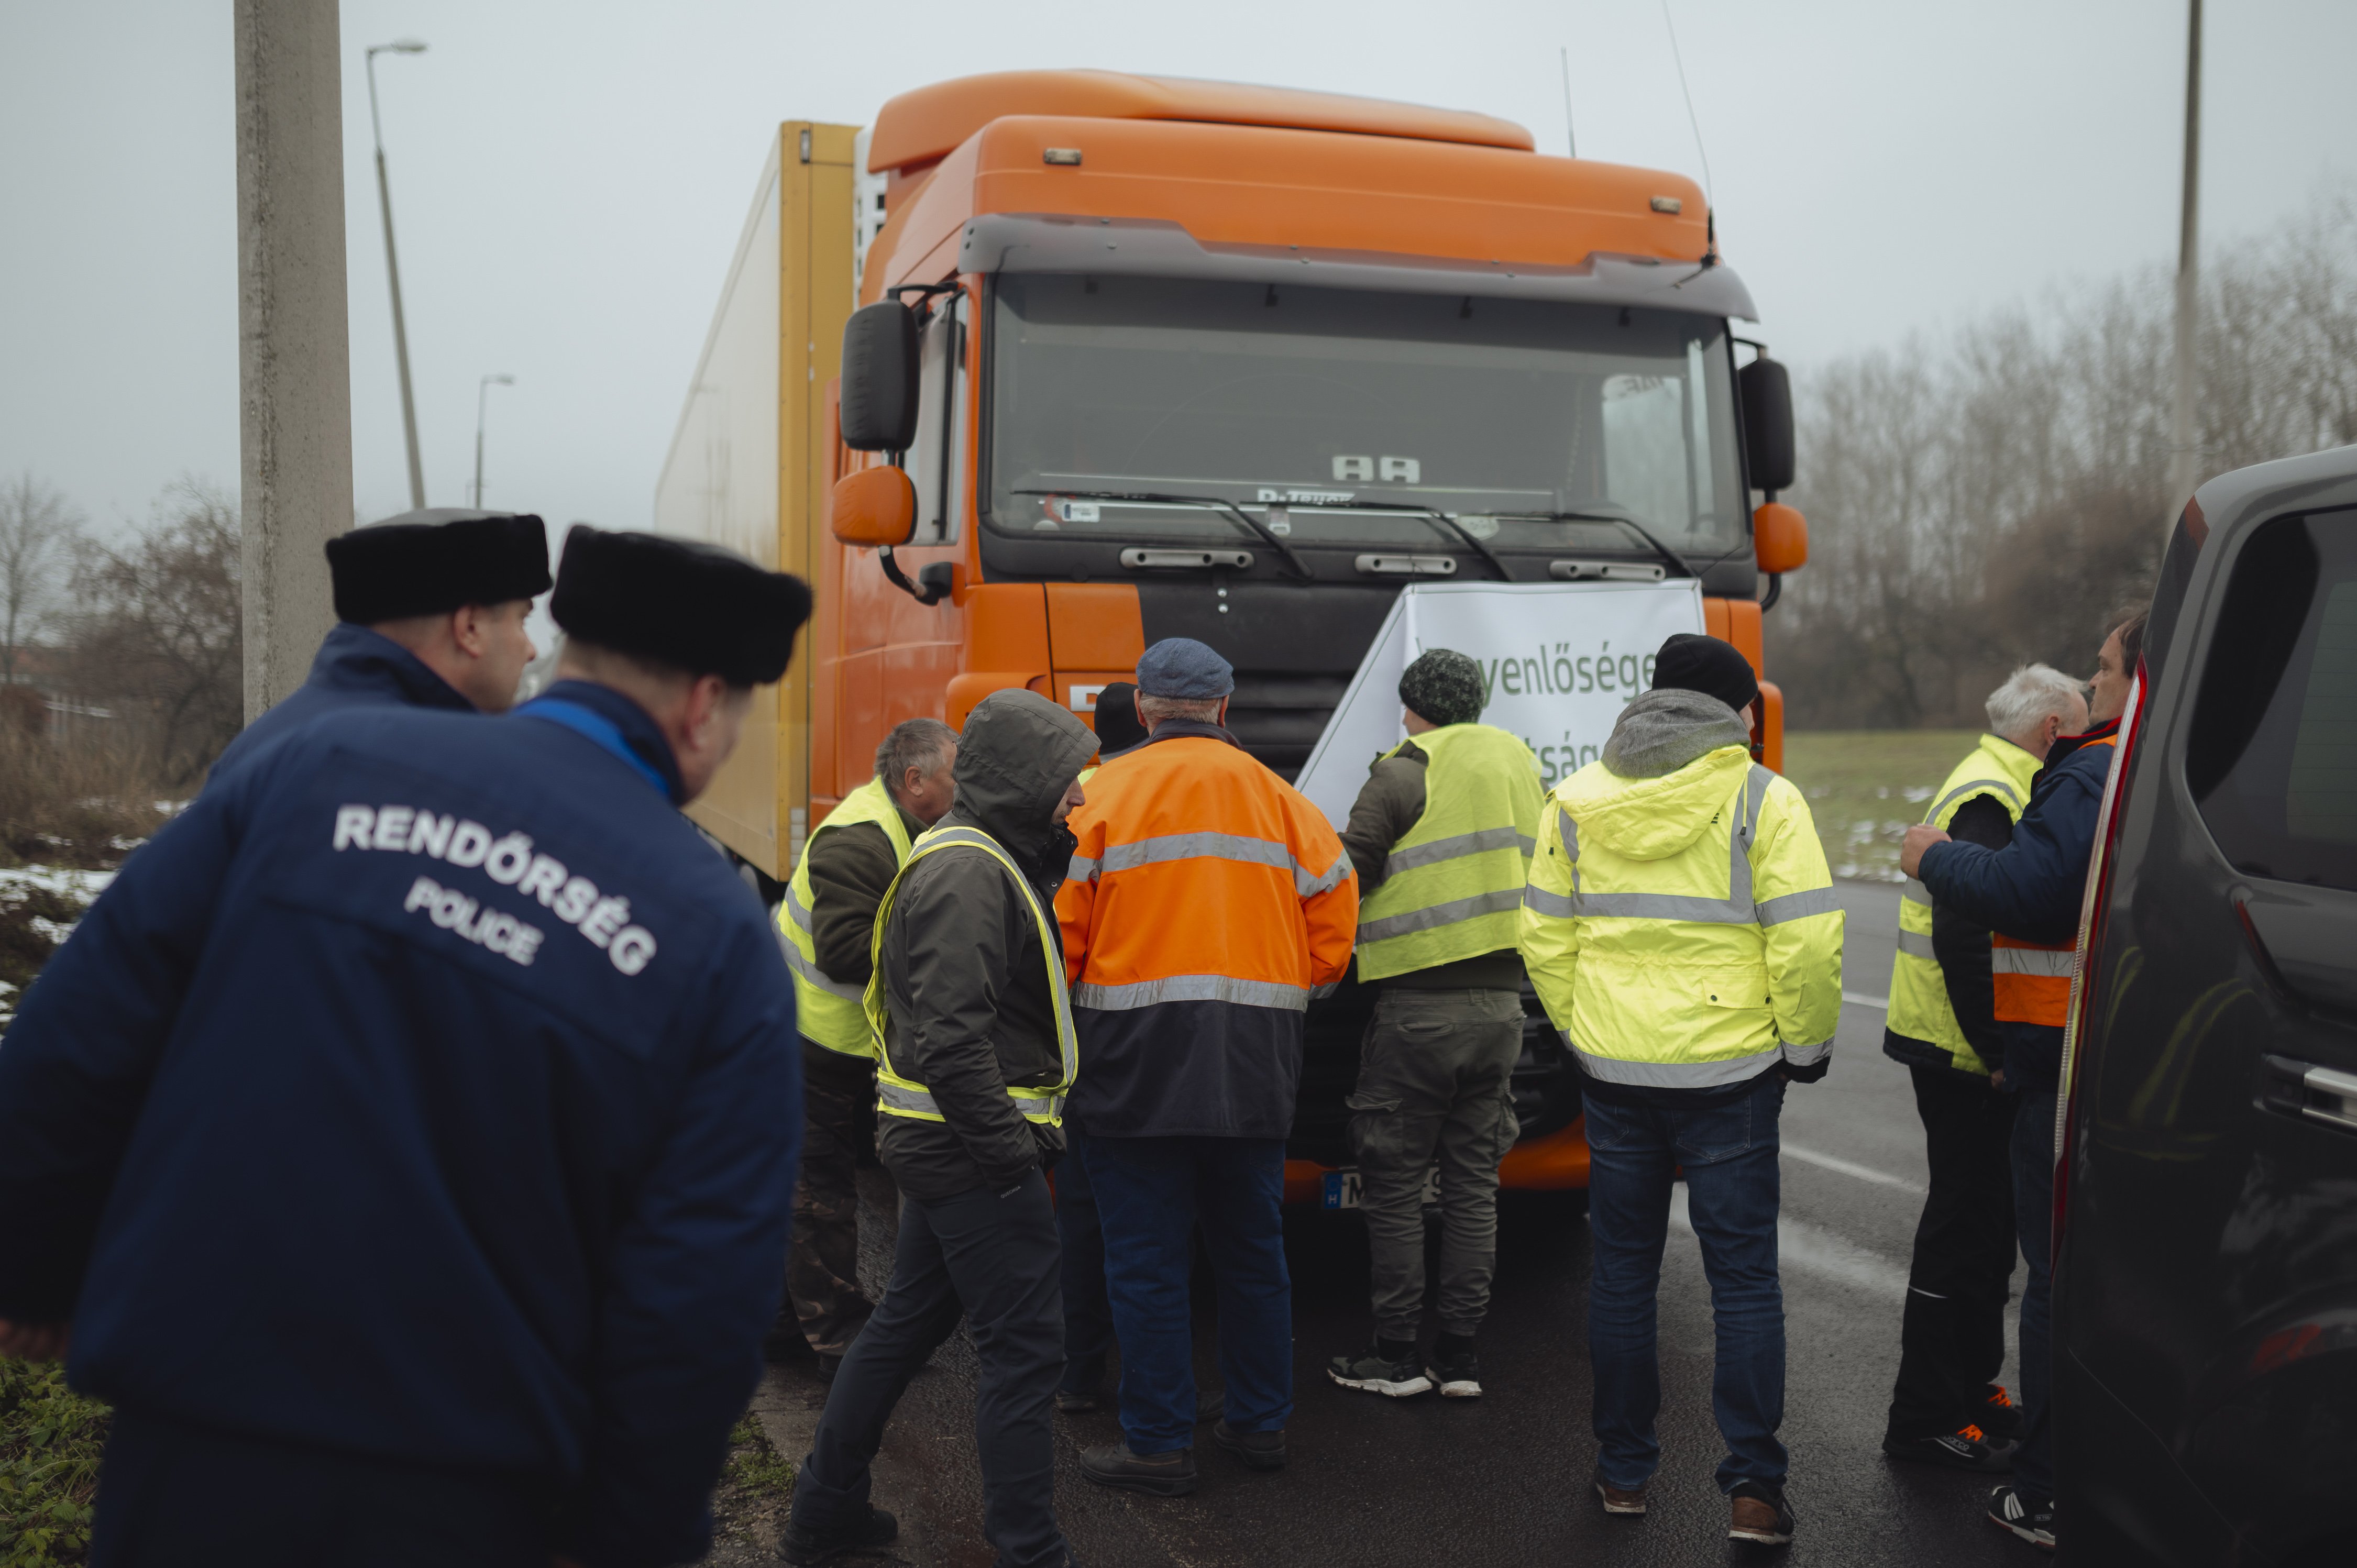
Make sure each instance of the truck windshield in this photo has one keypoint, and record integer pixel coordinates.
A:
(1308, 407)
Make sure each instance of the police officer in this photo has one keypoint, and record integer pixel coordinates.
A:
(1441, 835)
(430, 608)
(1947, 1407)
(400, 1133)
(827, 919)
(1681, 929)
(2028, 894)
(968, 1005)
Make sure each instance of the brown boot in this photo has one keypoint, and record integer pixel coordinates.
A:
(1616, 1500)
(1760, 1515)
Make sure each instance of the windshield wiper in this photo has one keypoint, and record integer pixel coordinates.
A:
(1448, 522)
(1260, 530)
(1671, 558)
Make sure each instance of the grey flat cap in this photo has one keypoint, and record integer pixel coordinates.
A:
(1182, 667)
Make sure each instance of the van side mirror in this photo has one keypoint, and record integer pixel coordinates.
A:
(873, 507)
(879, 378)
(1780, 539)
(1765, 389)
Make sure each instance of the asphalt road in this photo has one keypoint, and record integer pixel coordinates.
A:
(1503, 1479)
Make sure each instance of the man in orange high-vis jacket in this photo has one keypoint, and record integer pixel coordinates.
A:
(1208, 902)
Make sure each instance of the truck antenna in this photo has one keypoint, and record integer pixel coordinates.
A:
(1570, 141)
(1668, 21)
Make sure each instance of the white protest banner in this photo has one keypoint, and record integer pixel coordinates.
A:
(1559, 661)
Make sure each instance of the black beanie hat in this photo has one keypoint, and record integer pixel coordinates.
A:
(432, 562)
(1118, 727)
(1705, 664)
(680, 602)
(1443, 687)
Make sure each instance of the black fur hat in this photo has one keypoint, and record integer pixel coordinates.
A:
(432, 562)
(679, 602)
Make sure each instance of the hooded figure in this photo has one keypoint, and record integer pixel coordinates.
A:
(977, 1051)
(1681, 928)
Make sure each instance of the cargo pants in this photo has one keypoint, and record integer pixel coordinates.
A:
(823, 1269)
(1435, 1082)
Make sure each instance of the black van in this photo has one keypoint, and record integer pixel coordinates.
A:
(2205, 1334)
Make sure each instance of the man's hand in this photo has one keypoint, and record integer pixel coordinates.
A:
(35, 1341)
(1997, 1078)
(1910, 852)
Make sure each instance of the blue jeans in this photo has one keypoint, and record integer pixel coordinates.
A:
(1728, 1153)
(1088, 1314)
(2033, 1210)
(1151, 1193)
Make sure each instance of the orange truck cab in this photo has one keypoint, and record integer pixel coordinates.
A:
(1045, 366)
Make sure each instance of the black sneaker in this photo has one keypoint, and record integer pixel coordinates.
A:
(1969, 1449)
(2034, 1522)
(1454, 1372)
(1378, 1374)
(804, 1544)
(2000, 1417)
(1759, 1514)
(1258, 1450)
(1170, 1475)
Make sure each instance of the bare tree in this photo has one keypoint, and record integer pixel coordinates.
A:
(38, 533)
(159, 632)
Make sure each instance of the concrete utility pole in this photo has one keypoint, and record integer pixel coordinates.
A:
(393, 271)
(295, 398)
(2183, 456)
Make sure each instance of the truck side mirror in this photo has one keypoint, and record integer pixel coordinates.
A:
(873, 507)
(879, 378)
(1766, 390)
(1780, 539)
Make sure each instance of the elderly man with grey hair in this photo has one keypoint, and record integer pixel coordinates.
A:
(1948, 1407)
(826, 923)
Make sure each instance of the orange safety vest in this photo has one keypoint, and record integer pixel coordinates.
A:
(2032, 979)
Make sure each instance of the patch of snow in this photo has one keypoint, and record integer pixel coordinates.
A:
(83, 884)
(55, 931)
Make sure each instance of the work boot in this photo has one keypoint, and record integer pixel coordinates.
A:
(804, 1543)
(827, 1366)
(1618, 1499)
(1759, 1514)
(1170, 1475)
(1969, 1448)
(1257, 1450)
(2000, 1417)
(1390, 1367)
(2032, 1522)
(1452, 1368)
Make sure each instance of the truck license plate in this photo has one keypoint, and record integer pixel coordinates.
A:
(1343, 1190)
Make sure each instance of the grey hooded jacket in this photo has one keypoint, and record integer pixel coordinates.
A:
(964, 978)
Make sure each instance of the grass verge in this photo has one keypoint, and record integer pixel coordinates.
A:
(1867, 788)
(50, 1438)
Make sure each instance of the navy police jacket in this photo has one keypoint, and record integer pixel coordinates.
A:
(355, 668)
(427, 1091)
(2033, 888)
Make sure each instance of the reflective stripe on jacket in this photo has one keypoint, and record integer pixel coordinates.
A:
(1453, 883)
(1920, 1008)
(896, 1095)
(2032, 980)
(1207, 902)
(831, 1014)
(1681, 930)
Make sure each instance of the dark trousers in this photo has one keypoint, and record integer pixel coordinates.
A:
(176, 1496)
(2033, 1209)
(1087, 1310)
(991, 1259)
(1153, 1193)
(1952, 1340)
(823, 1269)
(1733, 1188)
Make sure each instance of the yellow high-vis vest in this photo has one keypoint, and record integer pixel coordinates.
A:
(900, 1095)
(1682, 932)
(1453, 883)
(1920, 1009)
(827, 1013)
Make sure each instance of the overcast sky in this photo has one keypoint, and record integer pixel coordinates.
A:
(569, 181)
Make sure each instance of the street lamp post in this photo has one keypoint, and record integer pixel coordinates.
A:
(393, 271)
(482, 395)
(2184, 451)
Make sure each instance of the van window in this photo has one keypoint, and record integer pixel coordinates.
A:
(2272, 757)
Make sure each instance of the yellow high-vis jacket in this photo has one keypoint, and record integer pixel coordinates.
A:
(1681, 930)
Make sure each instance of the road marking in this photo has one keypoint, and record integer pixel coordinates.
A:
(1813, 1251)
(1843, 1168)
(1863, 1000)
